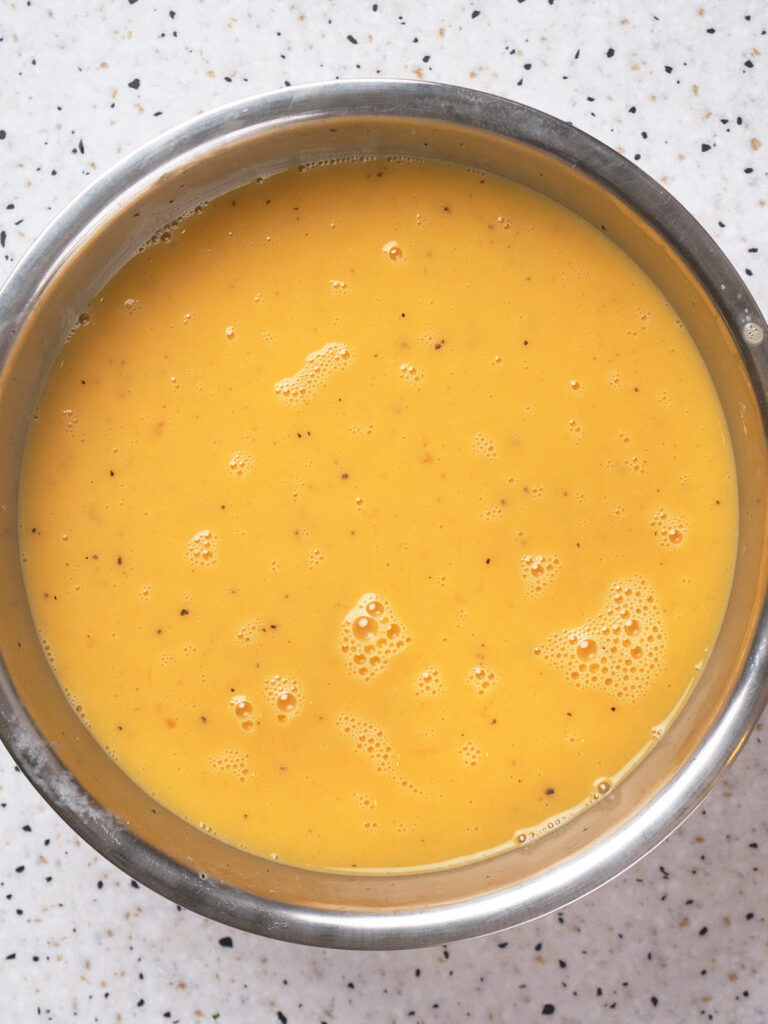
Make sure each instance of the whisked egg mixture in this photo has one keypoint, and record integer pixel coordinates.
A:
(378, 515)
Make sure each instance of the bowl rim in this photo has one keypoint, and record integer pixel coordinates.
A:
(396, 928)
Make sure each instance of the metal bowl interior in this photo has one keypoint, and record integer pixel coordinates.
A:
(88, 243)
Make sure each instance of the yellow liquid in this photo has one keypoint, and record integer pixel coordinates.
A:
(379, 516)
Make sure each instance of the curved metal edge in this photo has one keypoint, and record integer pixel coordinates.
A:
(392, 930)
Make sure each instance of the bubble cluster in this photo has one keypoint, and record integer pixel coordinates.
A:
(50, 655)
(575, 429)
(538, 571)
(753, 333)
(371, 635)
(240, 463)
(410, 373)
(317, 368)
(481, 679)
(315, 558)
(504, 223)
(243, 711)
(167, 233)
(248, 632)
(548, 825)
(483, 445)
(393, 250)
(202, 549)
(429, 683)
(233, 761)
(470, 754)
(76, 705)
(364, 801)
(70, 420)
(620, 649)
(669, 530)
(339, 287)
(370, 741)
(494, 512)
(635, 463)
(285, 695)
(132, 306)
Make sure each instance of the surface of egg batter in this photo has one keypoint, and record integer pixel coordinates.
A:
(378, 515)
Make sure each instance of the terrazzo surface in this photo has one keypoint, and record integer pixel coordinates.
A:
(680, 89)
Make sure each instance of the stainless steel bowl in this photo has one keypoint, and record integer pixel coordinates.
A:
(85, 246)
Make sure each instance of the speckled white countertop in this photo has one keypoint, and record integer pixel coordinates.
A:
(677, 87)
